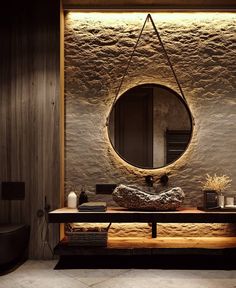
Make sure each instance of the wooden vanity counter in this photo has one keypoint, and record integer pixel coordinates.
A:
(155, 245)
(122, 215)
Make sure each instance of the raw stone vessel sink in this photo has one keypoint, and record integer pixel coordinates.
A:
(135, 199)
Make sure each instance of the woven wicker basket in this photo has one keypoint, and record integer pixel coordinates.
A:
(88, 238)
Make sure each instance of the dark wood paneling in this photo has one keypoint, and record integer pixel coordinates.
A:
(151, 4)
(30, 112)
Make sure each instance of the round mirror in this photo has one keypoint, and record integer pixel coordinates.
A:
(150, 126)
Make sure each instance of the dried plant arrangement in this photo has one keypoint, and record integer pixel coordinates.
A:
(216, 183)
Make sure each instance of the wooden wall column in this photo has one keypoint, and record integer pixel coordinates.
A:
(30, 113)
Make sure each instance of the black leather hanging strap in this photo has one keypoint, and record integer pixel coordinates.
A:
(167, 56)
(149, 17)
(127, 67)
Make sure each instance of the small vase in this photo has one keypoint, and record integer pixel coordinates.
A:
(83, 198)
(221, 200)
(72, 200)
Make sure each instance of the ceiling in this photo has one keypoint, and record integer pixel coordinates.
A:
(165, 5)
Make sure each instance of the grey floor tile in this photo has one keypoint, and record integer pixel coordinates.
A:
(93, 276)
(7, 282)
(183, 274)
(171, 279)
(40, 274)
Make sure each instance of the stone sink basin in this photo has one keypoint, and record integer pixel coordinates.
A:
(135, 199)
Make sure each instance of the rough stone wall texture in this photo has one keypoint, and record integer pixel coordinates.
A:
(202, 48)
(173, 230)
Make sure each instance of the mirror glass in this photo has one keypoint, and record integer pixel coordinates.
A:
(150, 126)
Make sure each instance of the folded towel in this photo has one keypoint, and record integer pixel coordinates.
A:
(93, 207)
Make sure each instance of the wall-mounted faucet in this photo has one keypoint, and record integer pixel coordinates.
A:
(164, 180)
(149, 180)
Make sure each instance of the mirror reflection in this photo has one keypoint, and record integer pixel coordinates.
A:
(150, 126)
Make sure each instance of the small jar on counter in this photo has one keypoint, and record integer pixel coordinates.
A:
(72, 200)
(221, 200)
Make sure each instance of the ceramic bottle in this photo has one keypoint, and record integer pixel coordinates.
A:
(221, 200)
(72, 200)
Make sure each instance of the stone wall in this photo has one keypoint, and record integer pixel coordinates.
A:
(202, 48)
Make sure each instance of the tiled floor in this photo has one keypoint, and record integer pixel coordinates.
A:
(40, 274)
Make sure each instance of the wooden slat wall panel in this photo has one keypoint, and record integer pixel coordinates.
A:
(30, 113)
(62, 113)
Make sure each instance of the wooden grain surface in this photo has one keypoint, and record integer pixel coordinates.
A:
(121, 215)
(173, 242)
(62, 114)
(188, 210)
(29, 112)
(151, 4)
(158, 246)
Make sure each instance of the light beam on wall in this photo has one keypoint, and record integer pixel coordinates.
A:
(123, 18)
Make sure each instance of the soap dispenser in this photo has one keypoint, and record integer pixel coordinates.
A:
(72, 200)
(83, 198)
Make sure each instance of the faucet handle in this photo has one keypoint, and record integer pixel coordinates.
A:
(149, 180)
